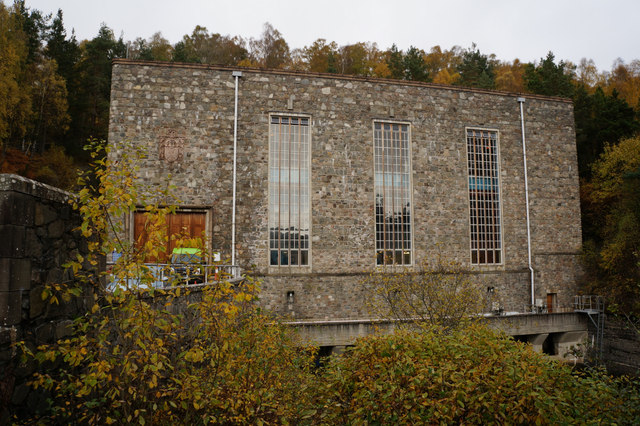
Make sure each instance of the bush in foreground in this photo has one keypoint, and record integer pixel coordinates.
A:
(470, 376)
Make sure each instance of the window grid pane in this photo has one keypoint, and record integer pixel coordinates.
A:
(484, 197)
(289, 217)
(392, 177)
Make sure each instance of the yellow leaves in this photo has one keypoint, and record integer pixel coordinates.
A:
(243, 297)
(230, 309)
(146, 352)
(195, 354)
(153, 382)
(613, 165)
(625, 79)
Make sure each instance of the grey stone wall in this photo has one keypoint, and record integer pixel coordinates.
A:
(184, 116)
(621, 351)
(37, 228)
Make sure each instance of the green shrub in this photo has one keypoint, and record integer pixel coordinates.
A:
(472, 376)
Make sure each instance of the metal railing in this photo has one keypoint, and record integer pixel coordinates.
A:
(593, 306)
(588, 303)
(163, 275)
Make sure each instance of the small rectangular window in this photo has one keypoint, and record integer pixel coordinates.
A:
(484, 197)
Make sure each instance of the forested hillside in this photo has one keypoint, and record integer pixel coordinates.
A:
(54, 95)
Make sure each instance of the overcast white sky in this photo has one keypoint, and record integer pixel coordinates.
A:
(602, 30)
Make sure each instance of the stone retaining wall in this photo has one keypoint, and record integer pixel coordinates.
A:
(621, 350)
(37, 225)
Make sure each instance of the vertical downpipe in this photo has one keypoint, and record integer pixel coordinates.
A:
(526, 194)
(236, 75)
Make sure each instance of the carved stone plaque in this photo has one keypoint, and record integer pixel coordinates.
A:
(171, 146)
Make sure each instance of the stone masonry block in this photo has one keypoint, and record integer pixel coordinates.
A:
(5, 273)
(15, 274)
(56, 229)
(12, 241)
(37, 306)
(64, 329)
(44, 214)
(16, 208)
(8, 335)
(33, 245)
(45, 333)
(10, 308)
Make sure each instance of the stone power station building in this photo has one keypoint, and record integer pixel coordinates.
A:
(339, 175)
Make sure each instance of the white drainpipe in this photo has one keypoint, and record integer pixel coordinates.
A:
(526, 194)
(237, 75)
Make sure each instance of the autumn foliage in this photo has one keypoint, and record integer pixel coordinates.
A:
(471, 376)
(161, 355)
(611, 203)
(208, 354)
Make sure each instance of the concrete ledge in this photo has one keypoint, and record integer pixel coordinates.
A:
(346, 332)
(524, 324)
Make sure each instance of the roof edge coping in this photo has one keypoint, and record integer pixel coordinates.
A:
(124, 61)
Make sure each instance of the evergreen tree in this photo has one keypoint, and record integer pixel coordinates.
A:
(34, 25)
(600, 119)
(332, 63)
(548, 78)
(92, 89)
(476, 70)
(65, 52)
(415, 67)
(199, 47)
(182, 52)
(395, 62)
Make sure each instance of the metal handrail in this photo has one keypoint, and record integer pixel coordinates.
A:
(164, 274)
(588, 303)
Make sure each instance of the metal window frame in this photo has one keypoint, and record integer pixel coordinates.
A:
(500, 203)
(269, 190)
(410, 189)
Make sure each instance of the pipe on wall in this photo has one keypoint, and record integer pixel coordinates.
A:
(521, 101)
(236, 75)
